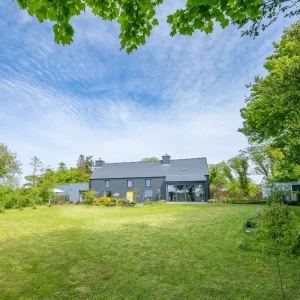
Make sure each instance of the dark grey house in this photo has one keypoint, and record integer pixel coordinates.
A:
(178, 180)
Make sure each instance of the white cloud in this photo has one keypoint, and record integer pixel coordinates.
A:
(178, 95)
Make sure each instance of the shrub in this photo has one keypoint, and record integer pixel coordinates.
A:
(227, 200)
(161, 201)
(105, 199)
(128, 203)
(276, 231)
(148, 202)
(278, 224)
(211, 201)
(2, 209)
(89, 197)
(15, 200)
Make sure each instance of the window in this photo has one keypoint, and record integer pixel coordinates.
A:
(129, 183)
(148, 195)
(148, 182)
(107, 184)
(107, 194)
(190, 192)
(183, 168)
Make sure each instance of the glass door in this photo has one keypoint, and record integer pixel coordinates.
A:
(180, 195)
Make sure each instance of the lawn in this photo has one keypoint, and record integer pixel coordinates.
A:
(157, 252)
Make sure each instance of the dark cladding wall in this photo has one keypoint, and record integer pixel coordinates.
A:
(120, 186)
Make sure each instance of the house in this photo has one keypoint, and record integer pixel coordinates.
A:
(177, 180)
(73, 190)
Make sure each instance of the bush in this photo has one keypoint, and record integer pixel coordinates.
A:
(211, 201)
(15, 200)
(107, 201)
(274, 231)
(278, 223)
(89, 197)
(148, 202)
(161, 201)
(2, 209)
(128, 203)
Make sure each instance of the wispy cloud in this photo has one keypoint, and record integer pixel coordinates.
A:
(179, 95)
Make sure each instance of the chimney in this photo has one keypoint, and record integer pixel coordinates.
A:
(166, 159)
(99, 163)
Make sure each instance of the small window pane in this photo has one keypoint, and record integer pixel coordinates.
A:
(183, 168)
(129, 183)
(148, 195)
(107, 184)
(148, 182)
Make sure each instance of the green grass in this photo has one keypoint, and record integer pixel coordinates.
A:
(157, 252)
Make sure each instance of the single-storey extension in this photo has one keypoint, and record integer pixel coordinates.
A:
(174, 180)
(73, 190)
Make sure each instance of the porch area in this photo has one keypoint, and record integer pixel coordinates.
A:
(186, 189)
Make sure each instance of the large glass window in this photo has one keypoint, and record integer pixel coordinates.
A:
(180, 193)
(199, 192)
(129, 183)
(183, 193)
(148, 182)
(171, 192)
(148, 195)
(107, 183)
(190, 192)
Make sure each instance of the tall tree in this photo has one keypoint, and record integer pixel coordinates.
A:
(37, 166)
(150, 159)
(137, 18)
(240, 166)
(265, 159)
(62, 167)
(47, 182)
(272, 111)
(219, 176)
(85, 163)
(10, 167)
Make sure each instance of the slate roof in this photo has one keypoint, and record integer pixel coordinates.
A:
(185, 178)
(194, 166)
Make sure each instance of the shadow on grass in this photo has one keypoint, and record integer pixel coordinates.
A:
(134, 262)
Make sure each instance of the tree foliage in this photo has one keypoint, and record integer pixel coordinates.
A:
(272, 113)
(137, 17)
(150, 159)
(39, 185)
(37, 166)
(10, 167)
(85, 164)
(240, 166)
(266, 160)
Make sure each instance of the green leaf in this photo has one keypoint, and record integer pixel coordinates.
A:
(154, 22)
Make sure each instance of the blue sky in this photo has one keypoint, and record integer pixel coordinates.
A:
(178, 95)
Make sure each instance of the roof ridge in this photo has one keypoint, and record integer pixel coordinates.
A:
(157, 161)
